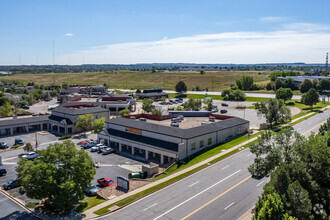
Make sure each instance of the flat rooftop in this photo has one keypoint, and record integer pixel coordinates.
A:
(188, 122)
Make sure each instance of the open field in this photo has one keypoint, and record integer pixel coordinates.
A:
(216, 81)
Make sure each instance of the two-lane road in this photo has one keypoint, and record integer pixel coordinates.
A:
(224, 190)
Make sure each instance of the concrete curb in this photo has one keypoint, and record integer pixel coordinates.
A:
(14, 199)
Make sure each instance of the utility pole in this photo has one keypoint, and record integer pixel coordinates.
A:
(36, 140)
(326, 63)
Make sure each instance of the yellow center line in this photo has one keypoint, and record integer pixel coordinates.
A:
(209, 202)
(314, 127)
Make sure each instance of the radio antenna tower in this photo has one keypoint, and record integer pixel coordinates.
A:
(326, 63)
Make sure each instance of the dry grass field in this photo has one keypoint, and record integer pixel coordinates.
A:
(215, 81)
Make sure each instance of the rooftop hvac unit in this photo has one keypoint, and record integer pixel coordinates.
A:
(142, 119)
(205, 123)
(174, 124)
(132, 117)
(212, 118)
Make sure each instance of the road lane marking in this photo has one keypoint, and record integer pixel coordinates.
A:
(10, 158)
(229, 205)
(193, 184)
(197, 195)
(260, 183)
(225, 167)
(209, 202)
(150, 207)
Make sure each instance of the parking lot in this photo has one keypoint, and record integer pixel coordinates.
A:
(112, 165)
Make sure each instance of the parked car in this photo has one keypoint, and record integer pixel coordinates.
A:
(25, 107)
(91, 144)
(83, 144)
(12, 184)
(107, 150)
(224, 104)
(3, 172)
(18, 141)
(3, 145)
(91, 190)
(101, 148)
(30, 156)
(156, 100)
(106, 182)
(223, 111)
(96, 147)
(173, 101)
(50, 108)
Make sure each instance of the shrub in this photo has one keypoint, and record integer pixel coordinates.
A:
(65, 137)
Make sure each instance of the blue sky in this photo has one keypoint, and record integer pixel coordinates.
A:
(140, 31)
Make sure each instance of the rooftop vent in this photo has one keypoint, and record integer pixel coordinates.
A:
(174, 124)
(212, 119)
(142, 119)
(132, 117)
(205, 123)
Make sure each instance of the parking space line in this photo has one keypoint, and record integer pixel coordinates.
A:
(225, 167)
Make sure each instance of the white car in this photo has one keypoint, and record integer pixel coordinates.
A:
(96, 147)
(30, 156)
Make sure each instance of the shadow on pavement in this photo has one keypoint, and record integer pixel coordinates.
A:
(18, 215)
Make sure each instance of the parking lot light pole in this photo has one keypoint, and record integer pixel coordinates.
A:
(36, 141)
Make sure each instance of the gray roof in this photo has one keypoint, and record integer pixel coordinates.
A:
(78, 111)
(302, 78)
(59, 119)
(145, 140)
(18, 120)
(179, 132)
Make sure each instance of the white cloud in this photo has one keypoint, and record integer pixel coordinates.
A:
(292, 43)
(273, 19)
(68, 35)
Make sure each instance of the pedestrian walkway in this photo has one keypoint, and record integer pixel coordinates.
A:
(90, 212)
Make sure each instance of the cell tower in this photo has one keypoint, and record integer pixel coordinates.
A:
(326, 63)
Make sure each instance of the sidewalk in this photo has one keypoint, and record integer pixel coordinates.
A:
(89, 213)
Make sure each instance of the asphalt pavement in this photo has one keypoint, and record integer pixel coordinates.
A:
(224, 190)
(12, 210)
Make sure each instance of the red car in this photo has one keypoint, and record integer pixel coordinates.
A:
(106, 182)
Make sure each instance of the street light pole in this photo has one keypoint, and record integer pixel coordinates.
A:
(36, 140)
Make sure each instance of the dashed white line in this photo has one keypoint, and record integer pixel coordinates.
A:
(229, 205)
(150, 207)
(197, 195)
(193, 184)
(260, 183)
(225, 167)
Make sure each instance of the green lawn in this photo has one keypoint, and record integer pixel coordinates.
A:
(90, 202)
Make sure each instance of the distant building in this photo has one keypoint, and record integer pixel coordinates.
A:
(152, 94)
(299, 79)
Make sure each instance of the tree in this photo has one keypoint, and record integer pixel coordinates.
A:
(180, 87)
(272, 151)
(269, 207)
(269, 86)
(98, 125)
(61, 175)
(284, 93)
(274, 110)
(305, 86)
(289, 83)
(323, 87)
(193, 105)
(245, 83)
(28, 147)
(147, 105)
(157, 111)
(310, 98)
(5, 109)
(153, 69)
(202, 72)
(138, 91)
(125, 112)
(209, 105)
(314, 83)
(84, 121)
(237, 95)
(278, 84)
(299, 202)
